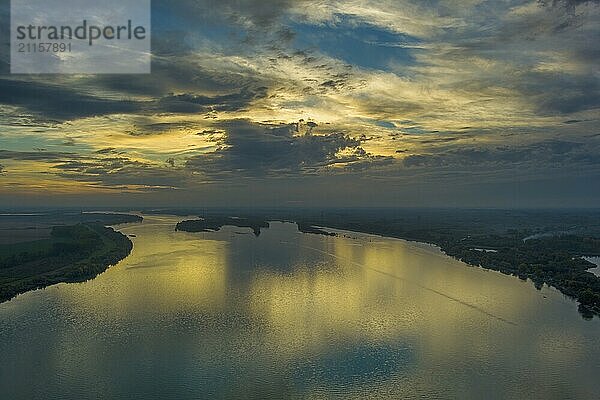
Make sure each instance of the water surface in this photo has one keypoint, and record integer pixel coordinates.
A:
(292, 315)
(594, 260)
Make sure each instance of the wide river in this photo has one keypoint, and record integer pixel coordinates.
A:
(292, 315)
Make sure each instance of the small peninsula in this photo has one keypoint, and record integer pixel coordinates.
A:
(68, 253)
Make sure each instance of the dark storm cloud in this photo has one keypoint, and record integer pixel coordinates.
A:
(144, 126)
(62, 103)
(179, 82)
(546, 154)
(562, 93)
(118, 171)
(106, 167)
(493, 64)
(549, 92)
(48, 156)
(189, 103)
(328, 77)
(262, 150)
(99, 166)
(59, 102)
(176, 74)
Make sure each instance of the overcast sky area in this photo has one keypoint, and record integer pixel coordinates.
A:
(460, 103)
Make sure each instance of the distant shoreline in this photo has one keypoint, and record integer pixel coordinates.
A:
(588, 306)
(552, 260)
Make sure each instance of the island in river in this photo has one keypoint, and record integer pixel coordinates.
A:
(543, 246)
(211, 223)
(68, 247)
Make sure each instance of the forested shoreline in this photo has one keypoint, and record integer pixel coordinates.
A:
(73, 253)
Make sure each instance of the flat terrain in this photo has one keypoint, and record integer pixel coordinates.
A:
(62, 253)
(14, 235)
(24, 227)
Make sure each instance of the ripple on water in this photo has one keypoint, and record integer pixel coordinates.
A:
(289, 315)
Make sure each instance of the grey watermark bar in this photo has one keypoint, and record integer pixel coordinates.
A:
(80, 36)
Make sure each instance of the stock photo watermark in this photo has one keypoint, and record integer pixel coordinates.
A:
(80, 37)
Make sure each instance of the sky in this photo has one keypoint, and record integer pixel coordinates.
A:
(313, 103)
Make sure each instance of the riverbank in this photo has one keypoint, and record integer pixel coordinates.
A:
(514, 243)
(551, 260)
(71, 253)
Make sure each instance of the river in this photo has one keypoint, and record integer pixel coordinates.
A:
(293, 315)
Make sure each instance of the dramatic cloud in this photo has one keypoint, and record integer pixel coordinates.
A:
(120, 171)
(555, 153)
(279, 150)
(35, 155)
(413, 93)
(59, 102)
